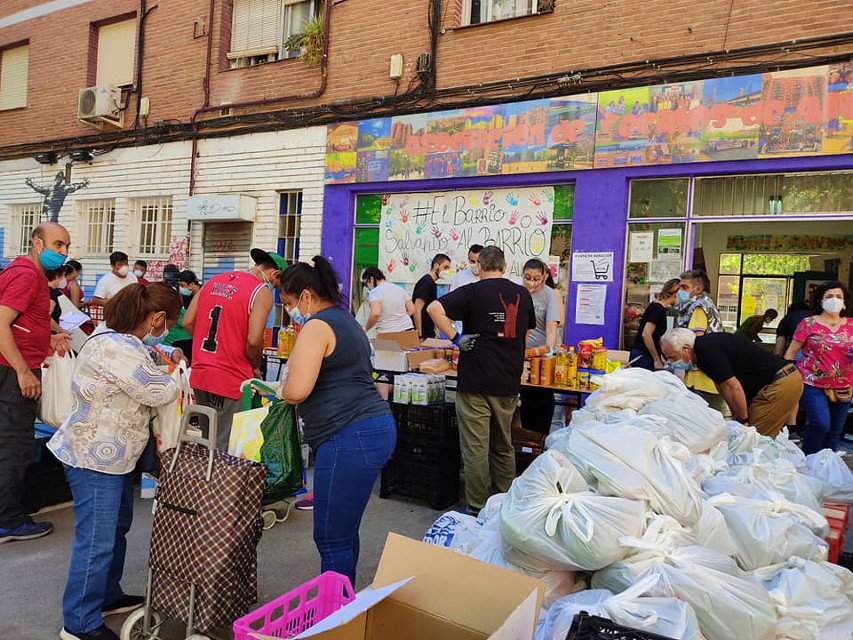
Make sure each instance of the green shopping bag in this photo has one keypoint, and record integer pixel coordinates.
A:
(281, 451)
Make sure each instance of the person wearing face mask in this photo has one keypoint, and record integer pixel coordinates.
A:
(426, 291)
(117, 384)
(826, 340)
(140, 268)
(390, 307)
(697, 312)
(72, 289)
(349, 427)
(646, 353)
(117, 279)
(178, 336)
(226, 320)
(57, 281)
(761, 388)
(25, 341)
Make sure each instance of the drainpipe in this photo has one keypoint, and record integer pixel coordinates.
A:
(263, 102)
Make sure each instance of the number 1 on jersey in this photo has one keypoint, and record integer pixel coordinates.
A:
(209, 344)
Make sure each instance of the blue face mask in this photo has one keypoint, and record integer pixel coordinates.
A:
(296, 315)
(185, 292)
(50, 259)
(683, 296)
(152, 341)
(680, 365)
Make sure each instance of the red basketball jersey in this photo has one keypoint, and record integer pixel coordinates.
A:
(221, 328)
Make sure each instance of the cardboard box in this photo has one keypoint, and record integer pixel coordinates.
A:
(426, 592)
(403, 351)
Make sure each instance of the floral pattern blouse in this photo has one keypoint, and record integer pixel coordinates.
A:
(826, 359)
(115, 387)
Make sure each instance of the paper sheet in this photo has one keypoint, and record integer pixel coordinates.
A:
(589, 307)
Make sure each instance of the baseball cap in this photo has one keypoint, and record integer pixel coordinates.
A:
(260, 256)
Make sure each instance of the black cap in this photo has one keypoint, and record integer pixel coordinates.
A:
(187, 276)
(267, 257)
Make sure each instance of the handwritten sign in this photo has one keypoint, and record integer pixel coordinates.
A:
(231, 207)
(416, 226)
(592, 266)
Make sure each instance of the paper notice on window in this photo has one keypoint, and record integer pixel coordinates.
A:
(669, 242)
(641, 246)
(665, 268)
(589, 306)
(592, 266)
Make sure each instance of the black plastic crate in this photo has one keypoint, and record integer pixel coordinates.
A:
(44, 483)
(587, 627)
(432, 423)
(437, 484)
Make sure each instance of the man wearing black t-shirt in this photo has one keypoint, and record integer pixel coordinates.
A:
(759, 387)
(496, 314)
(426, 292)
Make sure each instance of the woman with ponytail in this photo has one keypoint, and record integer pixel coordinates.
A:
(347, 424)
(116, 386)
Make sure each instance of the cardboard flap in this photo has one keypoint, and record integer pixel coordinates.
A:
(386, 345)
(406, 339)
(449, 583)
(364, 600)
(521, 621)
(437, 343)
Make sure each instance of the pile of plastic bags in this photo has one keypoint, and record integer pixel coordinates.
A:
(683, 525)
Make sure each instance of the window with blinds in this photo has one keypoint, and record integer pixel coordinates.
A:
(14, 72)
(154, 222)
(98, 221)
(116, 53)
(259, 29)
(22, 220)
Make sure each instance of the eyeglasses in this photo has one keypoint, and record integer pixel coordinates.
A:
(534, 279)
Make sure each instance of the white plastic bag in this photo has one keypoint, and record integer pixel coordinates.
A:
(627, 461)
(706, 465)
(767, 532)
(57, 399)
(829, 467)
(690, 420)
(813, 599)
(712, 531)
(454, 530)
(790, 451)
(167, 417)
(727, 605)
(632, 389)
(667, 616)
(750, 447)
(550, 514)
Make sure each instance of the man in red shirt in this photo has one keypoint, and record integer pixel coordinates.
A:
(227, 319)
(25, 341)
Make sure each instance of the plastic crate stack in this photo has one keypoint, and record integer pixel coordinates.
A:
(587, 627)
(426, 461)
(838, 516)
(528, 446)
(45, 482)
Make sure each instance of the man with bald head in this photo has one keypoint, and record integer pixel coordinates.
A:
(25, 341)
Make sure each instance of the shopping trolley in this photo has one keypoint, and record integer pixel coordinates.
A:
(202, 565)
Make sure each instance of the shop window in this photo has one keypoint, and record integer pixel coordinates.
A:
(116, 53)
(658, 198)
(289, 217)
(479, 11)
(97, 218)
(14, 74)
(260, 29)
(154, 223)
(774, 194)
(22, 220)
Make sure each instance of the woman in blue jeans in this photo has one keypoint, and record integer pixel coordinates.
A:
(116, 384)
(347, 424)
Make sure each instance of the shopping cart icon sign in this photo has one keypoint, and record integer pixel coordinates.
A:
(601, 268)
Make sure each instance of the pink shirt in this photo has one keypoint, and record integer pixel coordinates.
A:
(826, 359)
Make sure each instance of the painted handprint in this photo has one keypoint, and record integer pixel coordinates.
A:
(405, 259)
(512, 199)
(413, 266)
(421, 225)
(487, 197)
(391, 266)
(386, 198)
(454, 235)
(513, 217)
(436, 231)
(534, 199)
(404, 215)
(388, 223)
(543, 219)
(473, 201)
(549, 195)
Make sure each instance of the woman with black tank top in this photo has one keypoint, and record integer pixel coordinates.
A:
(347, 424)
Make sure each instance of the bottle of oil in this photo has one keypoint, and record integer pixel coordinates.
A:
(561, 372)
(572, 368)
(286, 340)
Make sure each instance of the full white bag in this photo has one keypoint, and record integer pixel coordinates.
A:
(750, 447)
(667, 616)
(550, 514)
(727, 605)
(712, 531)
(690, 420)
(57, 399)
(768, 532)
(632, 389)
(706, 465)
(167, 417)
(790, 451)
(454, 530)
(829, 467)
(627, 461)
(813, 599)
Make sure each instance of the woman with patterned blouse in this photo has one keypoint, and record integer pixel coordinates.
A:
(826, 339)
(117, 383)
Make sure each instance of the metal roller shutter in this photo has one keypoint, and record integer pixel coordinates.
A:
(226, 247)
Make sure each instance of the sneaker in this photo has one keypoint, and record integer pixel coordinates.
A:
(306, 504)
(101, 633)
(27, 531)
(123, 605)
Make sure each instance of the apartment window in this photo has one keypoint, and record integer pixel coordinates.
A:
(260, 29)
(289, 214)
(22, 220)
(154, 216)
(116, 53)
(14, 68)
(98, 219)
(479, 11)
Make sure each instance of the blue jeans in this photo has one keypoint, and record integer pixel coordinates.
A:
(824, 420)
(103, 508)
(645, 360)
(346, 468)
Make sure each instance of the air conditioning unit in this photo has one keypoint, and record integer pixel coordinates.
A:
(100, 105)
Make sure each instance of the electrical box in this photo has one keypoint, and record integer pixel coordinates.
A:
(423, 63)
(396, 66)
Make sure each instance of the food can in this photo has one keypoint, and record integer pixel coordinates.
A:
(546, 371)
(535, 370)
(583, 379)
(599, 358)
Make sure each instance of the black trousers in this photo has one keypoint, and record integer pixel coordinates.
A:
(17, 437)
(537, 409)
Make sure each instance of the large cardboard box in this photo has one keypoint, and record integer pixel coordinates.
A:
(426, 592)
(403, 350)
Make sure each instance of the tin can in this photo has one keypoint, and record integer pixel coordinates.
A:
(535, 370)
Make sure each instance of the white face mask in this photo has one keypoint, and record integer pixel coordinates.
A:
(832, 305)
(445, 274)
(137, 272)
(62, 284)
(122, 271)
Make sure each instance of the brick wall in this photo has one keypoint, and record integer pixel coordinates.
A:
(364, 34)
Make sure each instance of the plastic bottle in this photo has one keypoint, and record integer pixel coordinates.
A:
(561, 371)
(282, 343)
(572, 368)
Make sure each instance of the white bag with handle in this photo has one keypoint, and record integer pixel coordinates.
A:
(167, 417)
(829, 467)
(57, 399)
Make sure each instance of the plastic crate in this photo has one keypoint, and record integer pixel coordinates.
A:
(432, 423)
(298, 609)
(587, 627)
(437, 484)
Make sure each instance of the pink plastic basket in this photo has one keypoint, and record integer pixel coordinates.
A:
(298, 609)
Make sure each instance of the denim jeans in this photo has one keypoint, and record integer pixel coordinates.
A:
(346, 468)
(824, 420)
(103, 508)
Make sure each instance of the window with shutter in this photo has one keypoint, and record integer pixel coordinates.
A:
(14, 72)
(116, 53)
(255, 28)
